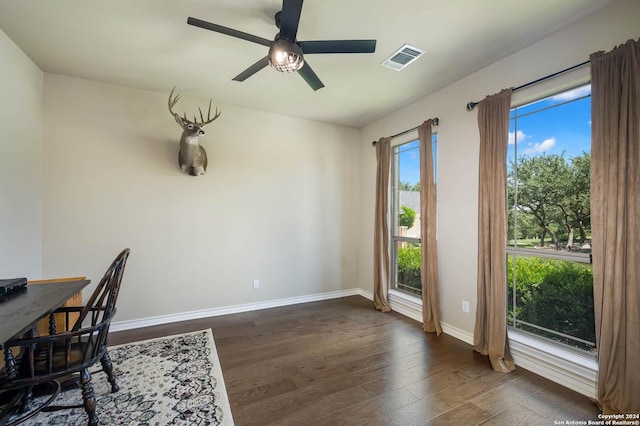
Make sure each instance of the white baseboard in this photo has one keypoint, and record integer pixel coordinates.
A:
(226, 310)
(365, 293)
(459, 334)
(575, 372)
(412, 307)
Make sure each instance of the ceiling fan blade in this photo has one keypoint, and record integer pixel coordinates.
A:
(228, 31)
(338, 46)
(252, 69)
(310, 77)
(290, 18)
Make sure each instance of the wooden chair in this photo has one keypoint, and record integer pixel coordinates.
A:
(59, 320)
(46, 359)
(44, 326)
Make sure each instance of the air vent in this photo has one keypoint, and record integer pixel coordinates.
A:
(402, 57)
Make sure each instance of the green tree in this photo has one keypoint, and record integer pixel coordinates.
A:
(573, 204)
(537, 193)
(580, 202)
(555, 191)
(406, 186)
(407, 217)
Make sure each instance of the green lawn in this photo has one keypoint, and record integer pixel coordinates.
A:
(530, 243)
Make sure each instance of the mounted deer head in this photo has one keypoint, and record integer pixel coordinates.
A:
(192, 156)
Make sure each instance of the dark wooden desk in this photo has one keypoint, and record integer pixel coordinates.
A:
(22, 312)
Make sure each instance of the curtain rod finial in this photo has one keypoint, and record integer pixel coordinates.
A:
(471, 105)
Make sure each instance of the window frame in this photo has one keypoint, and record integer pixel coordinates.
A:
(518, 335)
(394, 215)
(394, 207)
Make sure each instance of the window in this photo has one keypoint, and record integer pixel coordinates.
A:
(549, 274)
(405, 217)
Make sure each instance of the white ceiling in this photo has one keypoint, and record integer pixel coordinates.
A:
(147, 44)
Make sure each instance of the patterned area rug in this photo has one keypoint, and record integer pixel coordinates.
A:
(173, 380)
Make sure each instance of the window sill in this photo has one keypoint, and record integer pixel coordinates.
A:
(406, 304)
(573, 369)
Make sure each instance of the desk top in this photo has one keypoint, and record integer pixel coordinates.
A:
(22, 311)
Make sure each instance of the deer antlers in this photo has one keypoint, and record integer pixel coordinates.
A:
(174, 101)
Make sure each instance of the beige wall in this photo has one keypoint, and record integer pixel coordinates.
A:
(20, 162)
(278, 202)
(296, 213)
(458, 146)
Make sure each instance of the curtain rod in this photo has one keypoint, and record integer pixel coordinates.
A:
(471, 105)
(434, 121)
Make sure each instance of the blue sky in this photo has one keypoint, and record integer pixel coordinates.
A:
(565, 126)
(410, 161)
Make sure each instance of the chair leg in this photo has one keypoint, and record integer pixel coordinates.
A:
(107, 366)
(88, 396)
(25, 403)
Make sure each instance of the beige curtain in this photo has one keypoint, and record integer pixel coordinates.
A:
(381, 227)
(615, 224)
(429, 262)
(490, 333)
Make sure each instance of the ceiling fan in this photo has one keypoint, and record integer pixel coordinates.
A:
(286, 54)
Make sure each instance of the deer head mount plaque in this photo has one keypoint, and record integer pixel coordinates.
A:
(192, 157)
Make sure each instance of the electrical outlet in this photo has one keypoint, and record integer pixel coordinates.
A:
(256, 283)
(465, 306)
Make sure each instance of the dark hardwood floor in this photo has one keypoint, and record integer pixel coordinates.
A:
(341, 362)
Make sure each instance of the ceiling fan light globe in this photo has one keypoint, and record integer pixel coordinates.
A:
(287, 63)
(285, 56)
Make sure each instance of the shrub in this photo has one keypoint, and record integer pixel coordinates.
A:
(554, 294)
(409, 266)
(407, 217)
